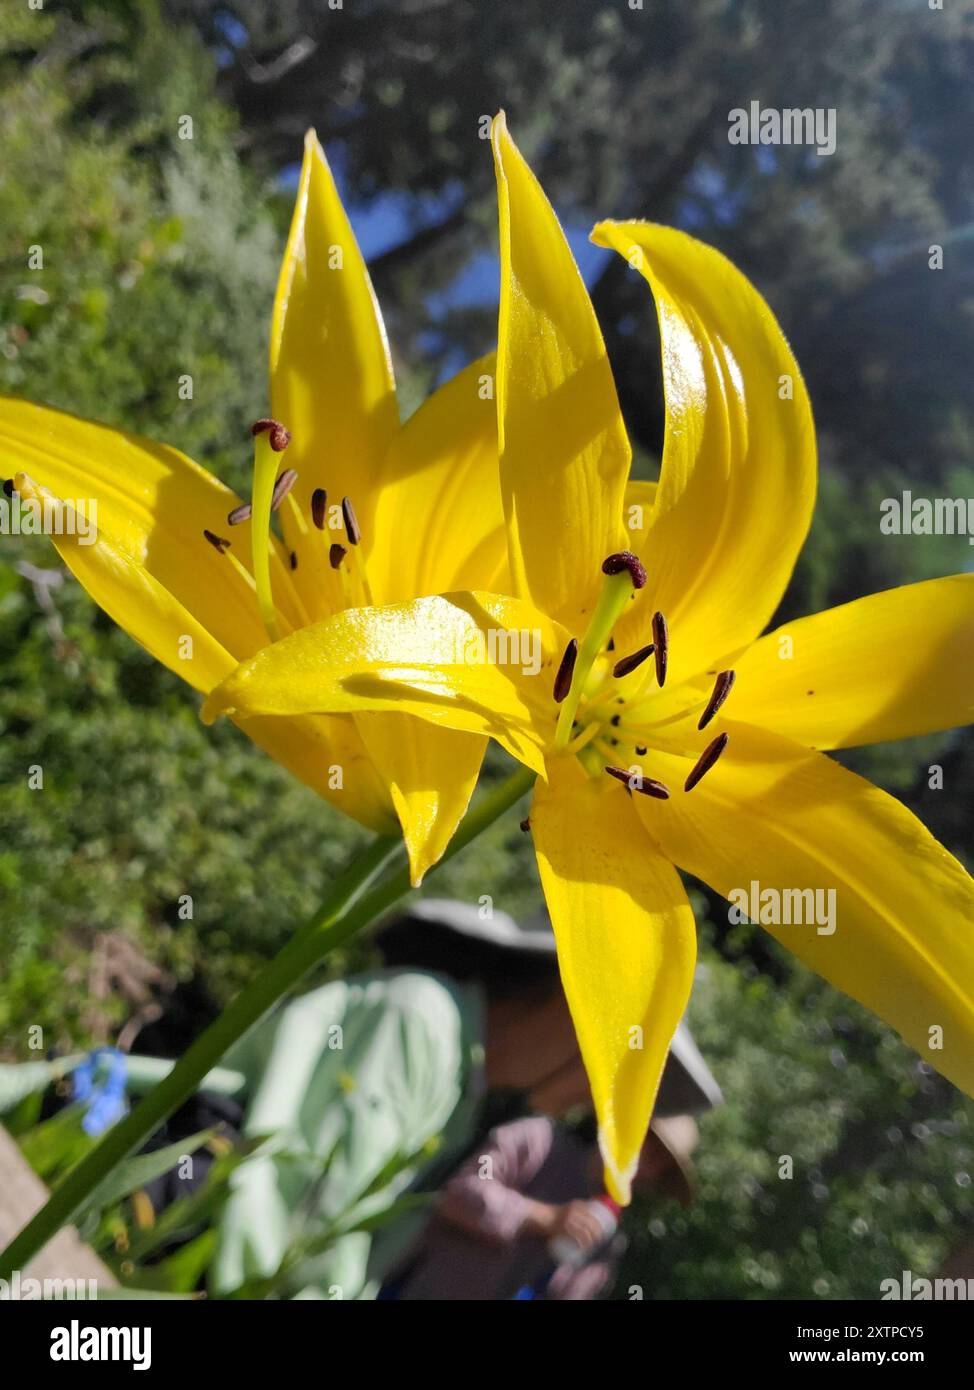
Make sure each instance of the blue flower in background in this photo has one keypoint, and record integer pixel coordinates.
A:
(105, 1097)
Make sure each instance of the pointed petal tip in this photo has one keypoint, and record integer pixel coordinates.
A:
(618, 1182)
(597, 236)
(312, 145)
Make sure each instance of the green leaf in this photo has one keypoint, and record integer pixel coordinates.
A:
(136, 1172)
(55, 1145)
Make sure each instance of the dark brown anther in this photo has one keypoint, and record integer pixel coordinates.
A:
(641, 751)
(661, 639)
(722, 688)
(635, 782)
(351, 522)
(282, 487)
(8, 487)
(629, 663)
(526, 825)
(563, 680)
(614, 721)
(336, 555)
(611, 645)
(280, 437)
(706, 761)
(319, 507)
(626, 560)
(293, 558)
(218, 542)
(239, 514)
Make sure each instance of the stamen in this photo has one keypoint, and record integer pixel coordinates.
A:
(624, 574)
(626, 560)
(293, 559)
(563, 680)
(661, 638)
(336, 555)
(641, 750)
(270, 438)
(319, 507)
(8, 487)
(648, 786)
(282, 487)
(280, 436)
(706, 761)
(240, 514)
(352, 529)
(629, 663)
(218, 543)
(526, 825)
(722, 688)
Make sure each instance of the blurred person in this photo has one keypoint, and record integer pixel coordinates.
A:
(525, 1217)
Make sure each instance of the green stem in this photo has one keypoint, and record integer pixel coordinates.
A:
(358, 897)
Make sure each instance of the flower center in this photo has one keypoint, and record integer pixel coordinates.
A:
(270, 491)
(599, 717)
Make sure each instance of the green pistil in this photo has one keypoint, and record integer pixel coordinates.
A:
(617, 591)
(270, 439)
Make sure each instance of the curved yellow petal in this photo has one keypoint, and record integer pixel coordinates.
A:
(899, 937)
(737, 482)
(564, 451)
(151, 570)
(439, 520)
(331, 373)
(135, 599)
(153, 503)
(326, 753)
(431, 774)
(885, 667)
(626, 949)
(475, 662)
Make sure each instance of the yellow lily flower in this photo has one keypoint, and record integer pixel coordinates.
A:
(731, 801)
(377, 512)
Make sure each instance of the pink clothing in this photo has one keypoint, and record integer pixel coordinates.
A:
(476, 1246)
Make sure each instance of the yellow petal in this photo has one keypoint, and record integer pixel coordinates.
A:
(153, 503)
(326, 753)
(626, 949)
(737, 482)
(132, 596)
(431, 773)
(885, 667)
(478, 663)
(154, 574)
(564, 451)
(792, 820)
(439, 521)
(331, 373)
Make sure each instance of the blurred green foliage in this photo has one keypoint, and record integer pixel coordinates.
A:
(160, 256)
